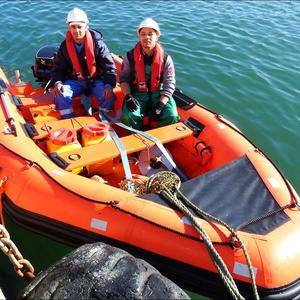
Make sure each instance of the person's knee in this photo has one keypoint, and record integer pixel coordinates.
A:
(130, 120)
(64, 107)
(62, 102)
(174, 119)
(168, 120)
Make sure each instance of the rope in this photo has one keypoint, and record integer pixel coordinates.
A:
(167, 184)
(77, 121)
(234, 238)
(266, 215)
(145, 142)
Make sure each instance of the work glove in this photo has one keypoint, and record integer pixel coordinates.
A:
(159, 108)
(131, 103)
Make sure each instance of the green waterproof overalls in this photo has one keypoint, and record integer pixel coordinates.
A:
(148, 101)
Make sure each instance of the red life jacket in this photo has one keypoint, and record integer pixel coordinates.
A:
(157, 67)
(89, 53)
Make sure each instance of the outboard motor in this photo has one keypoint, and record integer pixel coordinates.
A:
(44, 59)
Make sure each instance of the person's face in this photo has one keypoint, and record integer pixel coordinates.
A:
(148, 38)
(78, 31)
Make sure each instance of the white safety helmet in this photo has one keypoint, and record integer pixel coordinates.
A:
(150, 23)
(77, 15)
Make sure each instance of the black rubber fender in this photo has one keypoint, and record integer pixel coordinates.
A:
(100, 271)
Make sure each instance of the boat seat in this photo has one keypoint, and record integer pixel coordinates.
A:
(36, 99)
(108, 150)
(42, 130)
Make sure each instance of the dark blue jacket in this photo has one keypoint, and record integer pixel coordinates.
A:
(106, 69)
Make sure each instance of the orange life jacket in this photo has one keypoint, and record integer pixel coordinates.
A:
(157, 67)
(89, 53)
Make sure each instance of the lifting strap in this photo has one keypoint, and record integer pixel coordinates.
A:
(151, 138)
(119, 145)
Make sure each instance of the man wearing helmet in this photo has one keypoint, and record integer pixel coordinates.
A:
(148, 80)
(83, 64)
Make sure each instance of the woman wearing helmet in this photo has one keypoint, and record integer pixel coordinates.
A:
(148, 80)
(83, 64)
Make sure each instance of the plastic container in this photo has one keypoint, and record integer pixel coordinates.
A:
(96, 133)
(63, 140)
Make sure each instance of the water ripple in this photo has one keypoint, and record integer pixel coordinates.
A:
(240, 58)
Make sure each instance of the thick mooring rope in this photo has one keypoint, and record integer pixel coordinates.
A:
(167, 184)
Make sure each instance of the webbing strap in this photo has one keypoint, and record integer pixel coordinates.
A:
(151, 138)
(119, 145)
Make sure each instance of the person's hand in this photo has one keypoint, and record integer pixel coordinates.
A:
(159, 108)
(131, 103)
(107, 94)
(58, 89)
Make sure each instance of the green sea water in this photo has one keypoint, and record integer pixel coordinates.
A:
(239, 58)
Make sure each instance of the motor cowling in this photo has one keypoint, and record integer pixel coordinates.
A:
(44, 60)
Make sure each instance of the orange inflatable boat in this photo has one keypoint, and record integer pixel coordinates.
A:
(197, 199)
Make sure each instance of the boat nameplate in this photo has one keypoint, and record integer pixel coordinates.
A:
(243, 270)
(98, 224)
(186, 220)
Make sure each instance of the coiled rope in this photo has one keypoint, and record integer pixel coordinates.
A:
(167, 184)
